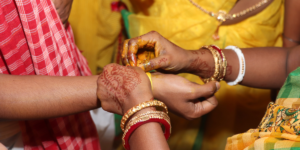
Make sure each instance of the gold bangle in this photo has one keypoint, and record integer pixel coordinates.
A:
(145, 117)
(221, 62)
(150, 78)
(224, 66)
(148, 113)
(221, 69)
(139, 107)
(218, 61)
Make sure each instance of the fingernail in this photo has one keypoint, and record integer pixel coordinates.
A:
(218, 85)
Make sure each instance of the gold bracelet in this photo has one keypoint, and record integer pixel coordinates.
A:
(139, 107)
(224, 64)
(218, 67)
(145, 117)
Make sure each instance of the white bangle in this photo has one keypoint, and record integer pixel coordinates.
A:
(242, 63)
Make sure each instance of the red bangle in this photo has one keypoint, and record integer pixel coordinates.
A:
(218, 49)
(134, 124)
(224, 64)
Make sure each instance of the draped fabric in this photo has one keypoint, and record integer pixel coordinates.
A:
(33, 41)
(280, 127)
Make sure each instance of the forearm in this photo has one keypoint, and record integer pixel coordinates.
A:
(37, 97)
(291, 23)
(148, 137)
(265, 67)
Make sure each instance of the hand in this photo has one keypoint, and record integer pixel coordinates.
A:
(2, 147)
(183, 97)
(168, 56)
(120, 88)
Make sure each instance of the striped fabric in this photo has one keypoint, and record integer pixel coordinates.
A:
(280, 127)
(33, 41)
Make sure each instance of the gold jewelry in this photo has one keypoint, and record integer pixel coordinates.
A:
(218, 61)
(145, 117)
(222, 15)
(139, 107)
(224, 64)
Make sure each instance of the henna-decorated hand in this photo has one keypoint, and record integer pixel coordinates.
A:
(183, 97)
(168, 56)
(120, 88)
(153, 52)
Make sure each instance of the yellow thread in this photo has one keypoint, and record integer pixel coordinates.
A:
(149, 76)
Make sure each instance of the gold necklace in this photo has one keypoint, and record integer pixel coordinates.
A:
(222, 15)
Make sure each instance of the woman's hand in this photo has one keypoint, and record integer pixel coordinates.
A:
(120, 88)
(183, 97)
(153, 52)
(168, 56)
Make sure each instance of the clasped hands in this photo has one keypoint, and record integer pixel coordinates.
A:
(122, 87)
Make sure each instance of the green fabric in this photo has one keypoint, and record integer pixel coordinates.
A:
(118, 118)
(291, 87)
(198, 141)
(125, 15)
(118, 130)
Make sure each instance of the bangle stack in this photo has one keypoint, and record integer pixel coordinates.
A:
(220, 64)
(150, 116)
(242, 63)
(139, 107)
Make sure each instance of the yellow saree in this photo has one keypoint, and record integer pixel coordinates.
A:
(280, 127)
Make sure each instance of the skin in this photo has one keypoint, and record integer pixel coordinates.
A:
(63, 8)
(242, 5)
(291, 23)
(189, 99)
(260, 62)
(41, 97)
(2, 147)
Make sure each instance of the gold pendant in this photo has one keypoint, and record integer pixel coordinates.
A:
(221, 17)
(216, 36)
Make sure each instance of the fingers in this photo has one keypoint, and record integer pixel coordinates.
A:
(147, 41)
(206, 90)
(124, 53)
(155, 63)
(204, 107)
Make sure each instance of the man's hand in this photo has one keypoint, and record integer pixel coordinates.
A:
(183, 97)
(120, 88)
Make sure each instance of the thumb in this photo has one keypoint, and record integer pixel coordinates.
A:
(207, 90)
(204, 99)
(204, 107)
(159, 62)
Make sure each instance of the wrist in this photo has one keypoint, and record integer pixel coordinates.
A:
(136, 101)
(156, 77)
(200, 62)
